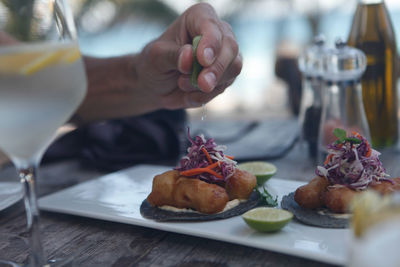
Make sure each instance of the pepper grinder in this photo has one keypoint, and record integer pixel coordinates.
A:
(311, 67)
(342, 105)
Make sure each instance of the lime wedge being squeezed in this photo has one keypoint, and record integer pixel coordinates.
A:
(196, 68)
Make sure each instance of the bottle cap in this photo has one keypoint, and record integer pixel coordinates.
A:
(343, 63)
(310, 61)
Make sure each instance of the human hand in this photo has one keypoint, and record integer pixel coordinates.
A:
(159, 76)
(163, 67)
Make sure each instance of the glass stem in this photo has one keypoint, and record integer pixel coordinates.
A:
(27, 176)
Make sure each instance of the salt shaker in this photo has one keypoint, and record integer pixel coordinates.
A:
(310, 64)
(342, 105)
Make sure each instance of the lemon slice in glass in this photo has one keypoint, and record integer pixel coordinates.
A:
(45, 60)
(71, 55)
(265, 219)
(12, 63)
(30, 62)
(261, 169)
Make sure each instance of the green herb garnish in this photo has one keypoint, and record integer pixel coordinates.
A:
(342, 137)
(266, 198)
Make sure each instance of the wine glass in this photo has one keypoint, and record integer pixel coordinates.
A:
(42, 82)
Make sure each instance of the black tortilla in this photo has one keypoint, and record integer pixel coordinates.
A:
(161, 215)
(312, 217)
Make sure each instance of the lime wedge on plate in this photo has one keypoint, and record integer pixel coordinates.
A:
(265, 219)
(261, 169)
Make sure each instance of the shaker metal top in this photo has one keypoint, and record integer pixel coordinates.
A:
(343, 63)
(310, 61)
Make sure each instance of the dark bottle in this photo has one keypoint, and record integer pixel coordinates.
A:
(372, 32)
(310, 64)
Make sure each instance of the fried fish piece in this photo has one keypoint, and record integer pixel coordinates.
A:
(240, 184)
(169, 188)
(309, 196)
(386, 187)
(199, 195)
(338, 198)
(163, 189)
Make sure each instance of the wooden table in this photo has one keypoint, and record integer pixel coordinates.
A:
(102, 243)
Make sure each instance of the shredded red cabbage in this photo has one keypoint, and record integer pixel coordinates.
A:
(352, 165)
(196, 158)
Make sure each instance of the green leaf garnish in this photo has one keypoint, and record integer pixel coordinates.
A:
(353, 140)
(341, 136)
(266, 198)
(339, 133)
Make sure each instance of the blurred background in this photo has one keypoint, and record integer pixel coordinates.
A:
(270, 33)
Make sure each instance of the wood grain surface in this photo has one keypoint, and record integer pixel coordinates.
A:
(101, 243)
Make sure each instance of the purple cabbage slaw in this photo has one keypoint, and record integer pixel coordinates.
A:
(351, 165)
(196, 158)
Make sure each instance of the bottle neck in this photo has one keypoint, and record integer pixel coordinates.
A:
(369, 2)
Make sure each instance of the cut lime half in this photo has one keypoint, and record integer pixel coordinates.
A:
(261, 169)
(265, 219)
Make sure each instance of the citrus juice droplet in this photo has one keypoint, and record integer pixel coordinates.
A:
(203, 112)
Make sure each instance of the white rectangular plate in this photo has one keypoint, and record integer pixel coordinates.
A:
(117, 197)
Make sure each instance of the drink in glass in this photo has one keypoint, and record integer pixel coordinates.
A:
(42, 82)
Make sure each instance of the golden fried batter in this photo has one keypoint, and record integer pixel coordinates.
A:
(338, 199)
(169, 188)
(317, 193)
(163, 189)
(386, 187)
(240, 185)
(309, 196)
(199, 195)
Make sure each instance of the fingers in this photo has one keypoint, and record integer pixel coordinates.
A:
(179, 99)
(185, 60)
(233, 70)
(167, 56)
(210, 43)
(227, 66)
(184, 83)
(201, 19)
(217, 51)
(223, 62)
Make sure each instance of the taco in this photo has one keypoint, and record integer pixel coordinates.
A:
(207, 185)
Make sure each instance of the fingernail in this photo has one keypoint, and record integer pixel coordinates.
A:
(209, 55)
(210, 79)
